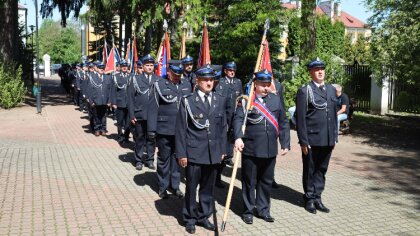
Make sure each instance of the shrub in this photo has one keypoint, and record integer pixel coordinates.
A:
(12, 89)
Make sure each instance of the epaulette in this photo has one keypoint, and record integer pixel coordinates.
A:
(187, 95)
(219, 93)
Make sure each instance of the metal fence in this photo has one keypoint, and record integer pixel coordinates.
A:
(359, 85)
(404, 97)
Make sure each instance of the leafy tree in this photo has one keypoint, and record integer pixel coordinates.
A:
(395, 40)
(66, 47)
(65, 8)
(9, 30)
(62, 44)
(237, 36)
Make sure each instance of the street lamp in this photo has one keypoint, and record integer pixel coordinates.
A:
(82, 29)
(38, 83)
(32, 27)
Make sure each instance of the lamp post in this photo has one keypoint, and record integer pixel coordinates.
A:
(38, 83)
(32, 27)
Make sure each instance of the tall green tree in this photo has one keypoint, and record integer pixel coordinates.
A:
(308, 24)
(9, 30)
(65, 7)
(62, 44)
(238, 32)
(395, 44)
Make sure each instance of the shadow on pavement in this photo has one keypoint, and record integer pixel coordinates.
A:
(387, 132)
(398, 173)
(129, 157)
(171, 207)
(147, 178)
(52, 94)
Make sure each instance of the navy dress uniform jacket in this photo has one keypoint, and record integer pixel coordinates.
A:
(119, 89)
(260, 136)
(164, 104)
(139, 91)
(231, 91)
(316, 127)
(199, 144)
(99, 89)
(190, 78)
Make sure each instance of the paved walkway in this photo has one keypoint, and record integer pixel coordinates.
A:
(56, 178)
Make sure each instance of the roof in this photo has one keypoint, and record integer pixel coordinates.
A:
(293, 6)
(20, 6)
(348, 20)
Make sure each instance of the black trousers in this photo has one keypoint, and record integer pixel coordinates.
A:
(167, 164)
(90, 115)
(76, 95)
(257, 178)
(123, 123)
(315, 166)
(99, 117)
(81, 101)
(145, 149)
(205, 176)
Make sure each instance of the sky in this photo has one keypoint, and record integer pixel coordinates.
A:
(355, 8)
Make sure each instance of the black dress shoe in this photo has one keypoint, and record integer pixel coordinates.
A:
(150, 165)
(178, 193)
(268, 218)
(163, 194)
(321, 207)
(190, 229)
(207, 225)
(310, 207)
(275, 185)
(248, 220)
(139, 166)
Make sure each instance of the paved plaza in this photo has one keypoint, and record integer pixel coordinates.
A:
(56, 178)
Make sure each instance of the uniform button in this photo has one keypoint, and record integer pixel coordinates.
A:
(209, 141)
(209, 132)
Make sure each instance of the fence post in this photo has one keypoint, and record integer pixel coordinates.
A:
(379, 96)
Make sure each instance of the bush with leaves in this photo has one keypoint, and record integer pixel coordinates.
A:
(334, 73)
(12, 89)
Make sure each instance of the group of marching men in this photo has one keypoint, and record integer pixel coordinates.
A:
(195, 120)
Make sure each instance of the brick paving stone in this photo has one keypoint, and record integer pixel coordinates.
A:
(57, 179)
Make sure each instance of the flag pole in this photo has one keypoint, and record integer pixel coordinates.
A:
(237, 154)
(182, 49)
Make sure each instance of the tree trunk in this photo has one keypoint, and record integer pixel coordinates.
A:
(309, 27)
(9, 30)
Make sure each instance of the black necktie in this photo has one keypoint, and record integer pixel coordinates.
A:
(206, 102)
(321, 87)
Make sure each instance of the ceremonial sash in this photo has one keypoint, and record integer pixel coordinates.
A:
(267, 114)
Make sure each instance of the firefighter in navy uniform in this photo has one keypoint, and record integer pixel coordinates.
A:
(200, 137)
(188, 75)
(119, 101)
(139, 91)
(231, 88)
(266, 123)
(85, 87)
(316, 125)
(161, 118)
(99, 90)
